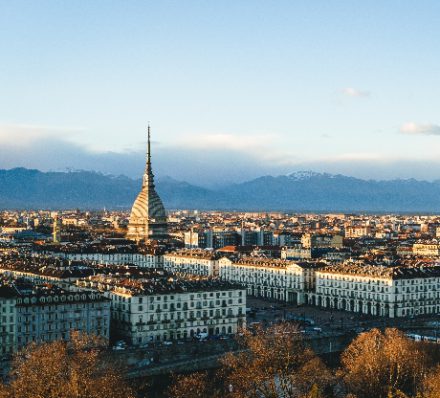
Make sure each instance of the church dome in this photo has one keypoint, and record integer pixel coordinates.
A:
(148, 206)
(148, 219)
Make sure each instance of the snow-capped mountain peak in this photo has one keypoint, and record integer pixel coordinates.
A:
(305, 175)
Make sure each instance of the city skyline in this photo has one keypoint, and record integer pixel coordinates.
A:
(231, 199)
(240, 90)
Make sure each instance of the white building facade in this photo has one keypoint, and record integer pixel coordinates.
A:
(38, 313)
(271, 278)
(426, 248)
(147, 312)
(388, 292)
(192, 262)
(115, 258)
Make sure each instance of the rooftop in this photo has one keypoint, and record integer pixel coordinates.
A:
(156, 286)
(424, 270)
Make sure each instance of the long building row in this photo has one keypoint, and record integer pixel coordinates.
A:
(404, 288)
(396, 291)
(136, 311)
(137, 305)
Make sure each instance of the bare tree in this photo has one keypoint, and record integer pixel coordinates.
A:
(77, 369)
(431, 385)
(195, 385)
(383, 365)
(4, 393)
(274, 363)
(271, 363)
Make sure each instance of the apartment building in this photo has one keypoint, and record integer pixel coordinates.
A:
(211, 239)
(146, 260)
(358, 231)
(321, 241)
(32, 312)
(429, 248)
(161, 310)
(271, 278)
(191, 262)
(8, 320)
(44, 313)
(381, 291)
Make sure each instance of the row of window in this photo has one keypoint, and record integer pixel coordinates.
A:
(151, 299)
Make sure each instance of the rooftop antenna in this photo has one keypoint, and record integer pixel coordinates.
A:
(149, 144)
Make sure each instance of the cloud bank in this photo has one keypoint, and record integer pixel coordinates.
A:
(24, 135)
(208, 160)
(420, 129)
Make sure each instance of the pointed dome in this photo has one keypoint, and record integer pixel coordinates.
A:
(148, 205)
(148, 218)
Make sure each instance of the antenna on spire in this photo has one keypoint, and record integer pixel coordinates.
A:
(149, 145)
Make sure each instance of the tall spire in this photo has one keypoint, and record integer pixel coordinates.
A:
(148, 219)
(149, 147)
(148, 179)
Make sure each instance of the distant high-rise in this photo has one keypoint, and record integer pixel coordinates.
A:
(148, 220)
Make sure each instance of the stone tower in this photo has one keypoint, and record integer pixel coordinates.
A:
(148, 220)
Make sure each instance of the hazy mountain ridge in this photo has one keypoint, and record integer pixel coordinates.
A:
(301, 191)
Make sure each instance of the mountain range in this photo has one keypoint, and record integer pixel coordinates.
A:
(22, 188)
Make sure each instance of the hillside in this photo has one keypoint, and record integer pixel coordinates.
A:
(301, 191)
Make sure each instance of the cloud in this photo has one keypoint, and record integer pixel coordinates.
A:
(420, 129)
(260, 147)
(379, 168)
(218, 159)
(57, 149)
(353, 92)
(357, 157)
(226, 141)
(22, 135)
(207, 160)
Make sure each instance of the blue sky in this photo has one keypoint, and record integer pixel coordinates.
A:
(233, 89)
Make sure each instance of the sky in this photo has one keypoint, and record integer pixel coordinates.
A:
(233, 89)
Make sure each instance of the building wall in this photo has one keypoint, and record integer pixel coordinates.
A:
(310, 241)
(426, 249)
(141, 319)
(377, 296)
(193, 265)
(285, 283)
(45, 319)
(296, 252)
(139, 259)
(358, 231)
(7, 326)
